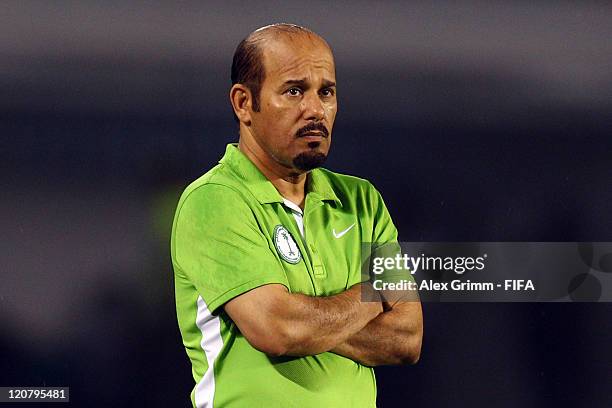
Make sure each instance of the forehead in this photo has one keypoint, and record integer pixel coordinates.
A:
(297, 56)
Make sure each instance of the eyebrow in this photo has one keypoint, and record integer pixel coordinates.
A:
(304, 84)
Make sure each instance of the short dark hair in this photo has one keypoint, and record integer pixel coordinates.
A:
(247, 64)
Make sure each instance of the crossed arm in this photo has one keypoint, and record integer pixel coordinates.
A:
(393, 337)
(371, 333)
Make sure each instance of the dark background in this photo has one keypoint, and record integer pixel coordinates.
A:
(478, 121)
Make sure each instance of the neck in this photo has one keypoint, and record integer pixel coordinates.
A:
(289, 183)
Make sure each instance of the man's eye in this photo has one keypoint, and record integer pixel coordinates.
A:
(294, 91)
(327, 92)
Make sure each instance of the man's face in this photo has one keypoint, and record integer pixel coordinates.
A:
(297, 102)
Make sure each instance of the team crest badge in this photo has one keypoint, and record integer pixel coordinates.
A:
(286, 246)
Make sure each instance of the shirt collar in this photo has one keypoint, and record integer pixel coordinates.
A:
(263, 190)
(320, 187)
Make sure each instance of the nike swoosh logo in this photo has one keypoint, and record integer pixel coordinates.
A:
(341, 233)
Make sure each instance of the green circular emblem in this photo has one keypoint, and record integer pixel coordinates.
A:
(286, 246)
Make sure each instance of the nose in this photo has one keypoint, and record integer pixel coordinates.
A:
(312, 107)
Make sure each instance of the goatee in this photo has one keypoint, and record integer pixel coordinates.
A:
(309, 160)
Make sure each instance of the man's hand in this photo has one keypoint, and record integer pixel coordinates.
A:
(277, 322)
(393, 337)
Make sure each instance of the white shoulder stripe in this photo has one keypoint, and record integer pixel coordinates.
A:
(211, 343)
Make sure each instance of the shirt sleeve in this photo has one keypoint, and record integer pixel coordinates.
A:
(384, 230)
(219, 246)
(384, 241)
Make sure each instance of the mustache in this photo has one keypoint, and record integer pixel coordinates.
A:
(312, 127)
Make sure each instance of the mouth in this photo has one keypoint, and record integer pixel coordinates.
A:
(314, 135)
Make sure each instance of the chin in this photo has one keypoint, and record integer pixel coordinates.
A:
(309, 160)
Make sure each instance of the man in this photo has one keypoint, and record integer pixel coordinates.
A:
(266, 248)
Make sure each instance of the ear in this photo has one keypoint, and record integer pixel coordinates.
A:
(241, 99)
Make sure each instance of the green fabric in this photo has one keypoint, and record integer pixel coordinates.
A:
(223, 245)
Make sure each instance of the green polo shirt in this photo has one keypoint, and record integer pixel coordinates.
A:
(232, 233)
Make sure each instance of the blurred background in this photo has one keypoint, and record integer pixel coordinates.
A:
(478, 121)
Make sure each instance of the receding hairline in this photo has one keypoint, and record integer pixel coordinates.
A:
(280, 31)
